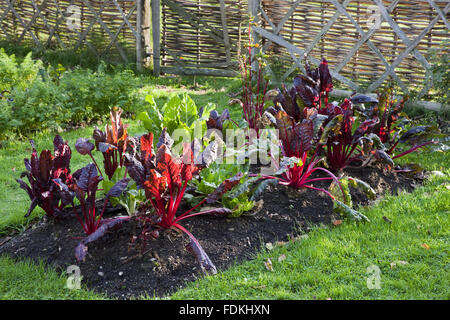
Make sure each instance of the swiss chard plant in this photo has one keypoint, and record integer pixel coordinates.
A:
(85, 187)
(391, 126)
(342, 136)
(42, 171)
(165, 177)
(299, 153)
(112, 143)
(177, 114)
(254, 83)
(309, 90)
(240, 198)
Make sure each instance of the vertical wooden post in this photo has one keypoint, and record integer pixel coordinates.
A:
(253, 8)
(156, 29)
(139, 13)
(148, 45)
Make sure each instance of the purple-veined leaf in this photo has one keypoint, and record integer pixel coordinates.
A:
(33, 205)
(135, 170)
(62, 154)
(88, 173)
(83, 146)
(326, 82)
(261, 187)
(118, 188)
(165, 139)
(27, 164)
(105, 147)
(419, 134)
(306, 91)
(224, 187)
(98, 136)
(45, 166)
(25, 187)
(64, 192)
(57, 141)
(383, 156)
(363, 128)
(215, 212)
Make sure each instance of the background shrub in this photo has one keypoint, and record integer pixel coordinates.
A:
(54, 99)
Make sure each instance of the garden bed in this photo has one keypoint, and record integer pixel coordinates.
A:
(121, 271)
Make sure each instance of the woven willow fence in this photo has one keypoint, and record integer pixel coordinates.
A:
(366, 42)
(106, 28)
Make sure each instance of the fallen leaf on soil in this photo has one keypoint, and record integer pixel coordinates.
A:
(268, 265)
(398, 262)
(424, 245)
(281, 258)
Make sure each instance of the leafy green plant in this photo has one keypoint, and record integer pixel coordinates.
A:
(343, 203)
(58, 98)
(177, 113)
(239, 199)
(17, 75)
(440, 71)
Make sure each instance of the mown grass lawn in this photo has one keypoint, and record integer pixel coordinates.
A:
(411, 252)
(331, 262)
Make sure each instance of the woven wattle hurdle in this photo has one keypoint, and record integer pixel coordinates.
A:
(201, 36)
(104, 26)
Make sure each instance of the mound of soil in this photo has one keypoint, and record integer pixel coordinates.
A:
(115, 267)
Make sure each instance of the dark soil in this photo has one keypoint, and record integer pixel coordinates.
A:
(120, 270)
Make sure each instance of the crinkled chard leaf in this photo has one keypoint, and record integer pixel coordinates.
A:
(326, 81)
(135, 170)
(65, 193)
(165, 139)
(118, 188)
(224, 187)
(261, 187)
(104, 147)
(87, 177)
(351, 213)
(419, 134)
(83, 146)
